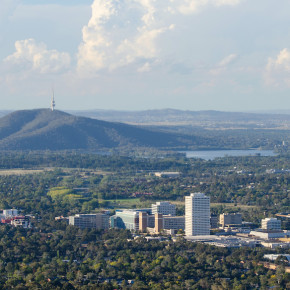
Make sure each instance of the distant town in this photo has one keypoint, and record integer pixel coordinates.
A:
(198, 225)
(118, 222)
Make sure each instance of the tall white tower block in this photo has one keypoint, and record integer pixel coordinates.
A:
(197, 214)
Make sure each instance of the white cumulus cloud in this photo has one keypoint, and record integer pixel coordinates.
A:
(278, 68)
(118, 34)
(121, 33)
(226, 2)
(188, 7)
(281, 62)
(227, 60)
(223, 64)
(30, 55)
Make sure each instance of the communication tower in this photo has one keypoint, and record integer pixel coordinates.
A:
(52, 105)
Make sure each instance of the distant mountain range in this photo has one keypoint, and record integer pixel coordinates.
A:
(43, 129)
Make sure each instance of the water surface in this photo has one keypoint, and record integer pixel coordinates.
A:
(212, 154)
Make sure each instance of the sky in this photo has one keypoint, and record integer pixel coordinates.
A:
(228, 55)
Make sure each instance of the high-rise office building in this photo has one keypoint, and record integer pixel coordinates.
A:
(197, 214)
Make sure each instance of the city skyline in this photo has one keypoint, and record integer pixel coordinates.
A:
(227, 55)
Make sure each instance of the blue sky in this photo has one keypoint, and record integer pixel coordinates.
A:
(231, 55)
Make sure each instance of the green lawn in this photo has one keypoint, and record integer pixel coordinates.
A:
(127, 203)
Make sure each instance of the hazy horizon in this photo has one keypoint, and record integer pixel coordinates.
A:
(278, 112)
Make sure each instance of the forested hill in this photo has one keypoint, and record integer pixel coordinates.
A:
(43, 129)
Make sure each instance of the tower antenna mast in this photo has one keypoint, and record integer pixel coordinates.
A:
(52, 105)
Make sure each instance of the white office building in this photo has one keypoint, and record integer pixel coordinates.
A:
(20, 221)
(90, 221)
(10, 212)
(271, 224)
(167, 174)
(164, 207)
(197, 214)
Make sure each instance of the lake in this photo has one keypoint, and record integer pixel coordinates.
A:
(211, 154)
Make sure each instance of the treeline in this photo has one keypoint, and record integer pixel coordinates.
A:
(74, 259)
(113, 162)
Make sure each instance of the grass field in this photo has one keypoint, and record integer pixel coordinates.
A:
(21, 171)
(129, 203)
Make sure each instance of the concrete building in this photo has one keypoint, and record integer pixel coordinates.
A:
(174, 222)
(230, 219)
(197, 214)
(164, 207)
(213, 221)
(135, 220)
(90, 221)
(20, 221)
(146, 221)
(224, 241)
(158, 222)
(167, 174)
(273, 257)
(274, 244)
(271, 224)
(126, 219)
(268, 234)
(10, 213)
(143, 221)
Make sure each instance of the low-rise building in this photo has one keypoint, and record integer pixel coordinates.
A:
(213, 221)
(268, 234)
(275, 244)
(271, 224)
(126, 219)
(132, 219)
(164, 207)
(90, 221)
(10, 212)
(167, 174)
(20, 221)
(224, 241)
(230, 219)
(273, 257)
(174, 222)
(159, 222)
